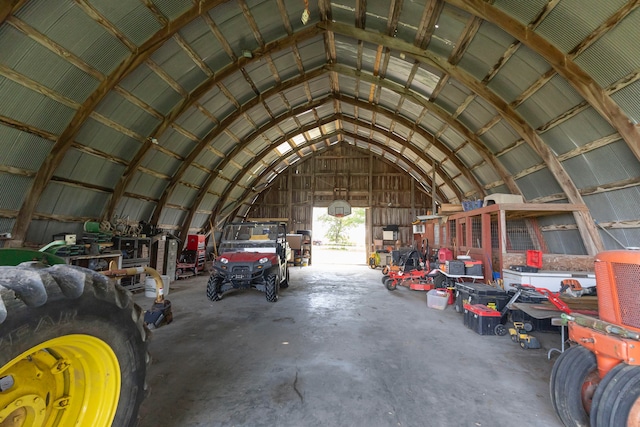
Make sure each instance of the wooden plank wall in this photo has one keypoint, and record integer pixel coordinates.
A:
(345, 172)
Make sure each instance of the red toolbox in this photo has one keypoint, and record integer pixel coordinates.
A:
(481, 319)
(195, 242)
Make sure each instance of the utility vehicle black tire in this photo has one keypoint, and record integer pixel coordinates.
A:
(440, 280)
(597, 396)
(572, 383)
(178, 273)
(390, 284)
(618, 402)
(214, 285)
(271, 287)
(285, 283)
(87, 329)
(500, 330)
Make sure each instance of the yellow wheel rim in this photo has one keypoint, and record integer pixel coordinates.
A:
(69, 380)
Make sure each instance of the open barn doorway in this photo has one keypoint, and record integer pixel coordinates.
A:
(339, 240)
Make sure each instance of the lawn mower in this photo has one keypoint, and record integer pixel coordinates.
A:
(417, 280)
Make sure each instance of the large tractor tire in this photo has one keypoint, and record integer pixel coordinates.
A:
(617, 398)
(74, 348)
(214, 288)
(271, 287)
(574, 379)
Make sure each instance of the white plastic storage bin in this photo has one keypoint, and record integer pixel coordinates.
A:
(438, 299)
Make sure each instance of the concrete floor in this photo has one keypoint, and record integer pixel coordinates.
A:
(337, 349)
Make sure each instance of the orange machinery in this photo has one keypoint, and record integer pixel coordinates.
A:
(597, 380)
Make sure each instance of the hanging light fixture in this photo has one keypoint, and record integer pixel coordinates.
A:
(305, 13)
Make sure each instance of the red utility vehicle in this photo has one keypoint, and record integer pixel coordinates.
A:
(252, 255)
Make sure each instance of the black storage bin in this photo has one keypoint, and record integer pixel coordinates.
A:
(481, 319)
(479, 293)
(473, 269)
(455, 268)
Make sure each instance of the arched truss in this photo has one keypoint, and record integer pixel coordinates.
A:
(562, 64)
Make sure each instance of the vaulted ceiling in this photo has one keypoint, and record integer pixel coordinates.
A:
(171, 111)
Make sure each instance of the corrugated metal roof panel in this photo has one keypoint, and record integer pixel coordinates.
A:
(194, 121)
(320, 87)
(158, 161)
(223, 143)
(260, 75)
(175, 61)
(208, 202)
(285, 63)
(14, 189)
(228, 17)
(525, 12)
(177, 142)
(564, 242)
(146, 85)
(550, 101)
(583, 128)
(485, 50)
(477, 114)
(207, 159)
(120, 110)
(133, 19)
(6, 225)
(519, 158)
(241, 128)
(183, 196)
(27, 58)
(200, 221)
(500, 136)
(521, 70)
(539, 184)
(268, 21)
(32, 108)
(312, 53)
(217, 104)
(570, 22)
(132, 207)
(87, 168)
(147, 185)
(173, 8)
(96, 135)
(452, 96)
(486, 174)
(65, 23)
(200, 38)
(449, 27)
(589, 170)
(452, 139)
(22, 150)
(61, 199)
(614, 55)
(469, 155)
(170, 216)
(627, 99)
(425, 81)
(409, 21)
(195, 176)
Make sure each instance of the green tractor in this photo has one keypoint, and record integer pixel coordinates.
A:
(74, 345)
